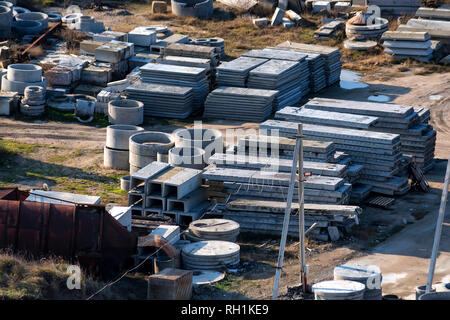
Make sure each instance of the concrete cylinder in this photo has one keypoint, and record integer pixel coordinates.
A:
(19, 10)
(54, 17)
(193, 8)
(24, 72)
(420, 290)
(118, 136)
(126, 112)
(84, 110)
(72, 18)
(145, 146)
(435, 296)
(116, 159)
(161, 157)
(34, 16)
(125, 183)
(133, 169)
(22, 28)
(19, 87)
(210, 140)
(5, 22)
(187, 157)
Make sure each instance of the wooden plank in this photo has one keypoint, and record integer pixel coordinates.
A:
(320, 117)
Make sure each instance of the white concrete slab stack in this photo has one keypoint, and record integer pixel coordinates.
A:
(406, 44)
(235, 73)
(173, 75)
(330, 55)
(240, 104)
(417, 137)
(162, 100)
(290, 78)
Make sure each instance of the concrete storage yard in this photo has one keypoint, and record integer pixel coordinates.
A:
(64, 148)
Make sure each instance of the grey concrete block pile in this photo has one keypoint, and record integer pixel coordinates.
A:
(406, 44)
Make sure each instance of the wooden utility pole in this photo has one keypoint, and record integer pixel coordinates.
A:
(437, 235)
(301, 212)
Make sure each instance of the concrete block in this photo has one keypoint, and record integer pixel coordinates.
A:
(170, 233)
(155, 202)
(88, 46)
(62, 198)
(142, 36)
(122, 215)
(277, 16)
(108, 36)
(110, 54)
(321, 5)
(6, 104)
(59, 76)
(97, 75)
(261, 22)
(159, 7)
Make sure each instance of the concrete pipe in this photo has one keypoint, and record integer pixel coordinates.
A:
(134, 169)
(32, 110)
(210, 140)
(23, 28)
(126, 112)
(125, 183)
(118, 136)
(187, 157)
(151, 143)
(84, 110)
(19, 10)
(435, 296)
(72, 18)
(54, 17)
(34, 93)
(19, 87)
(5, 22)
(116, 159)
(141, 161)
(34, 16)
(420, 290)
(24, 72)
(192, 8)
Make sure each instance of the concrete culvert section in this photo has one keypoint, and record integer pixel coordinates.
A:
(125, 183)
(435, 296)
(193, 8)
(126, 112)
(34, 16)
(19, 86)
(116, 159)
(145, 146)
(54, 17)
(210, 140)
(5, 22)
(22, 28)
(118, 136)
(24, 72)
(19, 10)
(338, 290)
(187, 157)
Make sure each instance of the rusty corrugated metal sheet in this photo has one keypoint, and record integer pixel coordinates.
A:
(83, 232)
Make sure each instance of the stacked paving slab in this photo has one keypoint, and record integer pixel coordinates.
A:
(241, 104)
(406, 44)
(266, 217)
(162, 100)
(193, 51)
(330, 55)
(379, 152)
(173, 75)
(235, 73)
(418, 138)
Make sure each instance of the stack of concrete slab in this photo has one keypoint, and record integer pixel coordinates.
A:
(379, 152)
(159, 45)
(162, 100)
(193, 51)
(108, 36)
(241, 104)
(215, 42)
(437, 29)
(257, 184)
(160, 189)
(417, 137)
(391, 8)
(320, 117)
(290, 78)
(193, 62)
(433, 13)
(283, 148)
(142, 36)
(330, 30)
(191, 77)
(266, 217)
(235, 73)
(406, 44)
(330, 55)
